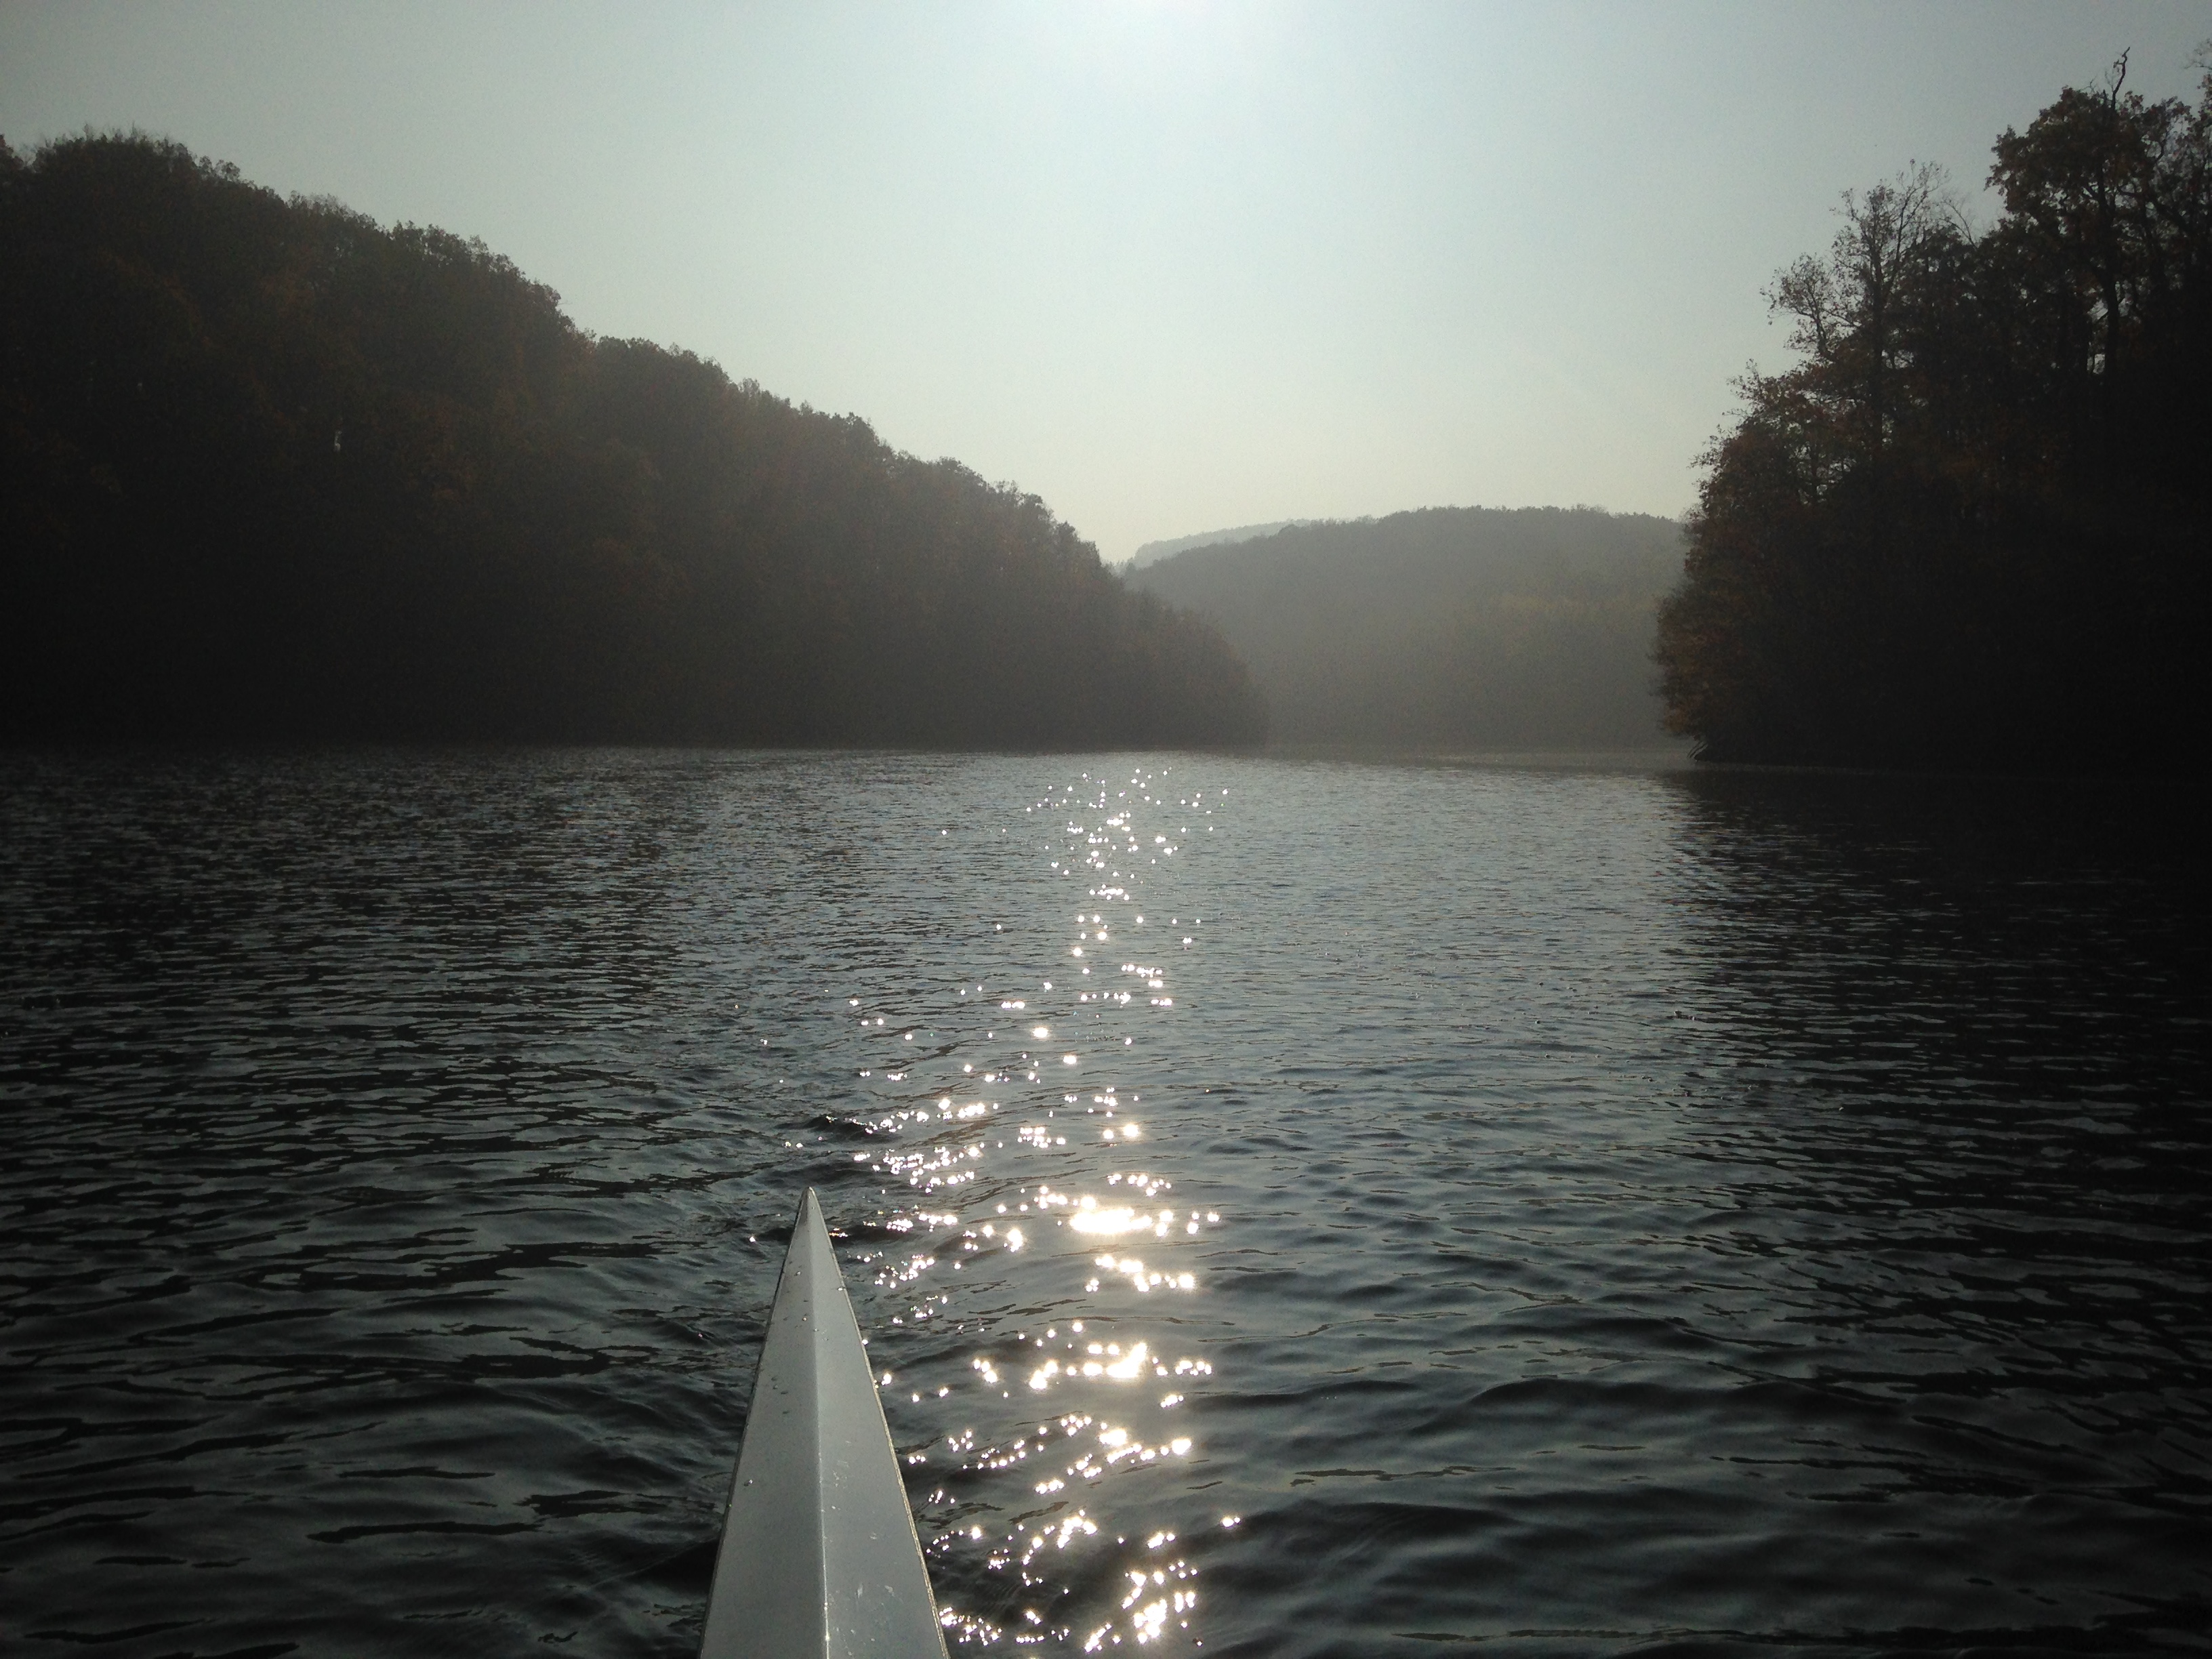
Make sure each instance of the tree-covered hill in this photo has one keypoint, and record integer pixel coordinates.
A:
(1452, 627)
(1972, 527)
(268, 469)
(1153, 552)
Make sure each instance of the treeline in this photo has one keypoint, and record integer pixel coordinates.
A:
(1153, 552)
(268, 469)
(1448, 629)
(1973, 525)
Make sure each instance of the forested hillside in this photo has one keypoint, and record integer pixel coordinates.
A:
(269, 470)
(1973, 525)
(1464, 628)
(1153, 552)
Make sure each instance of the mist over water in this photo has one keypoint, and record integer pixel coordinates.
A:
(1568, 1210)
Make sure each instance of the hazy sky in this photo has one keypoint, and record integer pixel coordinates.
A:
(1169, 266)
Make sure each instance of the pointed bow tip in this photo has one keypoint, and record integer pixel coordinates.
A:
(810, 1210)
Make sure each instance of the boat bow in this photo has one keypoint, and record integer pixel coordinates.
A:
(819, 1557)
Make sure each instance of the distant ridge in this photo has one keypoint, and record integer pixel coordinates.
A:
(1446, 630)
(1152, 552)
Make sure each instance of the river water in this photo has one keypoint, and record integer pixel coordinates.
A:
(1302, 1208)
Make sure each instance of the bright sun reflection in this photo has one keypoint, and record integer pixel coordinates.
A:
(945, 1146)
(1109, 1223)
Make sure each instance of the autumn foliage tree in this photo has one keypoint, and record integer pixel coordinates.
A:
(1974, 525)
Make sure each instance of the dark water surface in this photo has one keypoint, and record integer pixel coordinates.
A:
(1563, 1210)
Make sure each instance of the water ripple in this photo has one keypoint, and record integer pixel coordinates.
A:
(1567, 1211)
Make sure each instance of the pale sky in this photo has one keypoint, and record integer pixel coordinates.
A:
(1169, 266)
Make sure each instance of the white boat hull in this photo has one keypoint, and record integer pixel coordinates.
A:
(820, 1558)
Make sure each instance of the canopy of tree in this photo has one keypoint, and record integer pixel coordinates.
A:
(268, 469)
(1453, 628)
(1973, 525)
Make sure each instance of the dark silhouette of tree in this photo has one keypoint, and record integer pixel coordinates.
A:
(268, 469)
(1973, 525)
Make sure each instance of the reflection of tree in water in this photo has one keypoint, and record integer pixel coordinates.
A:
(1960, 1024)
(1944, 1040)
(2007, 937)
